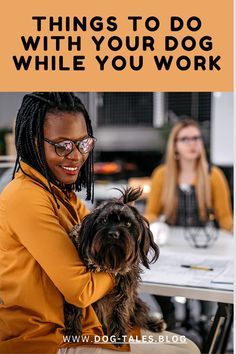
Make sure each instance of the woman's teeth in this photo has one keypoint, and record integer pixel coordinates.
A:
(70, 168)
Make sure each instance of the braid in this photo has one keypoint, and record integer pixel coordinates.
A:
(29, 130)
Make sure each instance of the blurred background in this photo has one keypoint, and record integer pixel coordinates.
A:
(132, 129)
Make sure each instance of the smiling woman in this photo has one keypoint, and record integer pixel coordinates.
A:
(37, 211)
(47, 119)
(70, 151)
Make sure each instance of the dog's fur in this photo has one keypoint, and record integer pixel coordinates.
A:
(116, 238)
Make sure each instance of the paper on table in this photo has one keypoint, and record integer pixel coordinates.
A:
(168, 270)
(226, 277)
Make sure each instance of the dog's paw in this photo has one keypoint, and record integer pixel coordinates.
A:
(118, 342)
(92, 268)
(155, 325)
(118, 337)
(74, 235)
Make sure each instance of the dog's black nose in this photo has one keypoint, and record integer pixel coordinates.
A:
(114, 234)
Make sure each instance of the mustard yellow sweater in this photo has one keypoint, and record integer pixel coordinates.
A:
(219, 191)
(40, 267)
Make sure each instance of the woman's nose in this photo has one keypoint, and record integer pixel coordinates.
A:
(75, 155)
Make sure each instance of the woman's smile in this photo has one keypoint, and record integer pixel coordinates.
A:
(71, 170)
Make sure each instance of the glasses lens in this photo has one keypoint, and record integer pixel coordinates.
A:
(64, 148)
(183, 140)
(188, 139)
(86, 145)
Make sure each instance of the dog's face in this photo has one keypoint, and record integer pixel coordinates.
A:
(116, 237)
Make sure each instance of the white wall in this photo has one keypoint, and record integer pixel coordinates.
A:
(222, 129)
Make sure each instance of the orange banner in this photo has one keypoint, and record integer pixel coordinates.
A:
(117, 46)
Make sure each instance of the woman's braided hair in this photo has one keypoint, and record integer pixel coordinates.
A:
(29, 131)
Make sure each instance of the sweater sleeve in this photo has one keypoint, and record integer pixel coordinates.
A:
(35, 225)
(82, 210)
(154, 206)
(221, 199)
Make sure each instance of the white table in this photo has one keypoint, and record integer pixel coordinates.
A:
(223, 248)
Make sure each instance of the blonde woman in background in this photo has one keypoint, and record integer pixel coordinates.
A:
(186, 169)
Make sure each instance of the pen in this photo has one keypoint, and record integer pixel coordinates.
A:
(196, 267)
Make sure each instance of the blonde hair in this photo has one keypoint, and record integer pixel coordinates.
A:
(202, 186)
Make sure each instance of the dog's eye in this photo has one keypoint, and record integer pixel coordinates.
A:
(104, 221)
(127, 223)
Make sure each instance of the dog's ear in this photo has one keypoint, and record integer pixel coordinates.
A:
(147, 243)
(129, 194)
(86, 232)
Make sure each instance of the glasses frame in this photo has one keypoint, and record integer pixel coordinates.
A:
(188, 140)
(75, 144)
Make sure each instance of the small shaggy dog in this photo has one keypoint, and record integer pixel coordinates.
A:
(116, 238)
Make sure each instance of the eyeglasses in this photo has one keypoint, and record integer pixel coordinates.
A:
(64, 148)
(188, 139)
